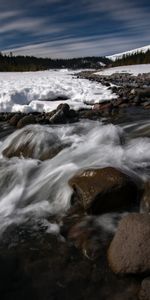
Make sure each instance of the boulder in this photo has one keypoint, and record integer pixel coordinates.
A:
(61, 114)
(103, 190)
(33, 142)
(143, 93)
(103, 106)
(129, 251)
(145, 202)
(144, 293)
(90, 237)
(30, 119)
(15, 119)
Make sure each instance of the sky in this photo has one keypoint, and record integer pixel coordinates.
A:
(75, 28)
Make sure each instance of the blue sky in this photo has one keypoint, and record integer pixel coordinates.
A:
(61, 28)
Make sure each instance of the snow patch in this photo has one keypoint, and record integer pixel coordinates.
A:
(37, 91)
(133, 69)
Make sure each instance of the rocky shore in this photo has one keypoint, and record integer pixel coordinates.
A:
(101, 249)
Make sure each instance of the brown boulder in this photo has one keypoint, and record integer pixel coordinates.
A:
(27, 120)
(129, 251)
(145, 289)
(103, 190)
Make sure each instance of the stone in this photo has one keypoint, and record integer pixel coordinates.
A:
(61, 114)
(29, 143)
(144, 293)
(26, 120)
(15, 119)
(145, 201)
(129, 251)
(103, 190)
(90, 237)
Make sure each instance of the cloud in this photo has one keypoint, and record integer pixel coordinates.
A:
(59, 28)
(77, 47)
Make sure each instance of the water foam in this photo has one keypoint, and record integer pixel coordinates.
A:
(34, 189)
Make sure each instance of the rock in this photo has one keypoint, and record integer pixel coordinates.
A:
(142, 93)
(15, 119)
(103, 106)
(144, 293)
(145, 202)
(129, 251)
(30, 119)
(38, 265)
(33, 142)
(61, 115)
(103, 190)
(90, 237)
(63, 107)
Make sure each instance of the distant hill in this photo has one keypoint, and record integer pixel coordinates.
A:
(134, 57)
(127, 53)
(12, 63)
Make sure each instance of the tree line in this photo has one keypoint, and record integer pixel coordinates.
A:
(12, 63)
(133, 59)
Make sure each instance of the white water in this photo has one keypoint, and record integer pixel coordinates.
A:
(32, 189)
(37, 91)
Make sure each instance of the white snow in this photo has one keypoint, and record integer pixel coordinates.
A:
(120, 55)
(133, 69)
(37, 91)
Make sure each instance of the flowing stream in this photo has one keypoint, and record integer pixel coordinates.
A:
(35, 189)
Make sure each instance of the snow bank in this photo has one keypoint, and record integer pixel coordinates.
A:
(133, 69)
(38, 91)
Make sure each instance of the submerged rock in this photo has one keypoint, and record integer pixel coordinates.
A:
(145, 202)
(91, 236)
(129, 251)
(145, 289)
(33, 142)
(40, 265)
(104, 190)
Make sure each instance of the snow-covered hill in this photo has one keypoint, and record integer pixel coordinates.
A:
(120, 55)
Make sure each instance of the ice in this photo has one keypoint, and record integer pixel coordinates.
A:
(133, 69)
(37, 91)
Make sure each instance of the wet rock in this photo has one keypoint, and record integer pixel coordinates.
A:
(144, 293)
(26, 120)
(129, 251)
(143, 93)
(103, 190)
(103, 106)
(33, 142)
(61, 114)
(90, 237)
(39, 265)
(89, 114)
(15, 119)
(145, 202)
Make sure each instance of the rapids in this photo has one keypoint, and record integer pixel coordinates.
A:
(35, 189)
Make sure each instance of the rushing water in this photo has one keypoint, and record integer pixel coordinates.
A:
(31, 188)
